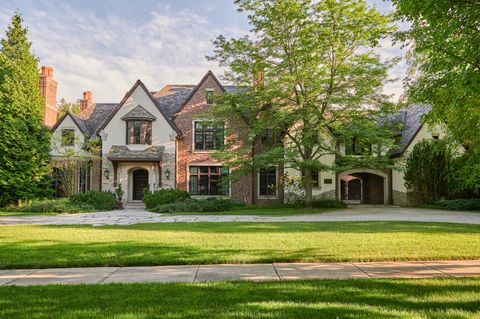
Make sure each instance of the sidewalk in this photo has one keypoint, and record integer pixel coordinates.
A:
(253, 272)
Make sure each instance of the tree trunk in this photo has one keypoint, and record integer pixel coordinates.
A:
(308, 188)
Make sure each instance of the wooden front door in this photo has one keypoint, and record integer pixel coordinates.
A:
(140, 183)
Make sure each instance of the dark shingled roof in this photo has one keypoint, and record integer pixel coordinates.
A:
(98, 116)
(139, 113)
(171, 97)
(412, 122)
(81, 123)
(122, 153)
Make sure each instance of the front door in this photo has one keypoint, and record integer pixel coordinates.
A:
(140, 183)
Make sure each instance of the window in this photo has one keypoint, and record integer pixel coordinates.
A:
(328, 181)
(358, 147)
(208, 136)
(268, 181)
(139, 132)
(209, 96)
(314, 175)
(208, 181)
(68, 137)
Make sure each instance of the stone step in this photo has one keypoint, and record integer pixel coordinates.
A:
(134, 205)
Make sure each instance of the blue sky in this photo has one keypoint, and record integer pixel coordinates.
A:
(105, 45)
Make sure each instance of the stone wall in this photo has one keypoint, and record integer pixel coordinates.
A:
(168, 163)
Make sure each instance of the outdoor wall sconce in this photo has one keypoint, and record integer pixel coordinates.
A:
(167, 174)
(106, 173)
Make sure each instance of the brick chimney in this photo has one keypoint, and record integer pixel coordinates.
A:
(48, 90)
(86, 105)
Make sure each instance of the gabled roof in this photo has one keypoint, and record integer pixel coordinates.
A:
(139, 113)
(79, 122)
(171, 97)
(209, 73)
(123, 153)
(412, 123)
(98, 116)
(125, 98)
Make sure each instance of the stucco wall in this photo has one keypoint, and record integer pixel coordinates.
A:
(57, 149)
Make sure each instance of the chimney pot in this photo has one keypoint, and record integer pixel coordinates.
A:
(87, 95)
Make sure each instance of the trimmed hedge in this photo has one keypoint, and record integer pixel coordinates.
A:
(458, 204)
(199, 205)
(164, 196)
(97, 200)
(328, 203)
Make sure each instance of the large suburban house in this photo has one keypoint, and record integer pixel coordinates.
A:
(158, 139)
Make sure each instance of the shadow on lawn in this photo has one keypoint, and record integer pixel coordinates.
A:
(440, 298)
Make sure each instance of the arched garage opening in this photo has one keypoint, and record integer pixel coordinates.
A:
(369, 187)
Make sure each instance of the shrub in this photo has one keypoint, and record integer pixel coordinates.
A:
(97, 200)
(62, 205)
(328, 203)
(164, 196)
(427, 170)
(198, 205)
(458, 204)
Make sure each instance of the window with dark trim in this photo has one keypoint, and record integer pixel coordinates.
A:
(68, 137)
(314, 176)
(208, 181)
(139, 132)
(268, 181)
(209, 96)
(358, 147)
(208, 136)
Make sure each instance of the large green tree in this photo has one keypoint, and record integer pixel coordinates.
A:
(316, 80)
(444, 38)
(24, 142)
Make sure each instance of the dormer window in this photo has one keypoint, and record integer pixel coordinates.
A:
(209, 96)
(139, 132)
(139, 126)
(68, 137)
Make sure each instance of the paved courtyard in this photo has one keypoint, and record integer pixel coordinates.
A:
(232, 272)
(129, 217)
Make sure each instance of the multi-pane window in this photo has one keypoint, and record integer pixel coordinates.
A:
(208, 136)
(314, 177)
(139, 132)
(209, 96)
(268, 181)
(68, 137)
(208, 181)
(358, 147)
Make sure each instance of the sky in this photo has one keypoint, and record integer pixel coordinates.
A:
(104, 46)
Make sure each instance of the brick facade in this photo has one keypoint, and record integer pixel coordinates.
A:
(48, 90)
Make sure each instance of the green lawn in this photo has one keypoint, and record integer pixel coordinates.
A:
(373, 298)
(30, 246)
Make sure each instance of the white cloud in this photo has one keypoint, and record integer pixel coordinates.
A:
(108, 55)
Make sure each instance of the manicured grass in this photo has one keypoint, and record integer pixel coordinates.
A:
(267, 211)
(374, 298)
(31, 246)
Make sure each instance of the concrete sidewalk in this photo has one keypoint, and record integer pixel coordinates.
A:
(253, 272)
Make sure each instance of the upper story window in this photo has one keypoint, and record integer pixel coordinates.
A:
(208, 136)
(268, 181)
(139, 132)
(68, 137)
(358, 147)
(209, 96)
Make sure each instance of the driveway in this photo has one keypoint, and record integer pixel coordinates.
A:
(130, 217)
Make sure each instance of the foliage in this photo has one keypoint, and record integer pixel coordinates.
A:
(427, 170)
(444, 37)
(458, 204)
(198, 205)
(50, 206)
(328, 203)
(24, 142)
(164, 196)
(64, 107)
(96, 199)
(316, 79)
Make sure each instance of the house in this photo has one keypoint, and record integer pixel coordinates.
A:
(154, 140)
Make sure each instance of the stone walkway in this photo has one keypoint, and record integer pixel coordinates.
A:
(252, 272)
(129, 217)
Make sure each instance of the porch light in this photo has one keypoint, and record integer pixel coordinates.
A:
(106, 173)
(167, 174)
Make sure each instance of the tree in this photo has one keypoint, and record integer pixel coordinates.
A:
(444, 37)
(64, 106)
(316, 81)
(24, 142)
(427, 182)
